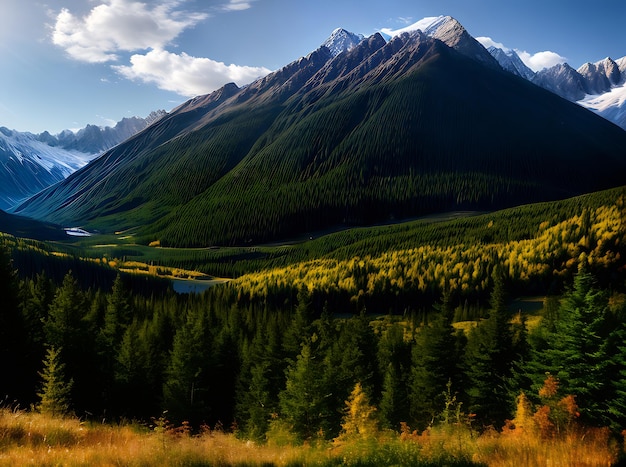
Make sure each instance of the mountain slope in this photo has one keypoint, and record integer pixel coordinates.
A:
(29, 163)
(511, 62)
(384, 130)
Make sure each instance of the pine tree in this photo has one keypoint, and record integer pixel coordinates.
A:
(577, 352)
(55, 395)
(188, 373)
(303, 401)
(489, 358)
(66, 330)
(435, 361)
(118, 313)
(13, 364)
(394, 360)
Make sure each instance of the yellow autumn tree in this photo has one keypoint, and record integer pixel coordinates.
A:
(359, 420)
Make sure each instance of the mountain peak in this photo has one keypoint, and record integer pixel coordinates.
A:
(452, 33)
(342, 40)
(511, 62)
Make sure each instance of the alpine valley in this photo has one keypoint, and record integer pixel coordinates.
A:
(395, 250)
(358, 133)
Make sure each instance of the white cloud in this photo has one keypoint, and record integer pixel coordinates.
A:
(237, 5)
(186, 75)
(489, 42)
(120, 25)
(540, 60)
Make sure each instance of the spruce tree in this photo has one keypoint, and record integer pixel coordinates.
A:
(13, 361)
(55, 394)
(489, 361)
(394, 360)
(303, 402)
(435, 361)
(118, 313)
(65, 329)
(188, 375)
(577, 351)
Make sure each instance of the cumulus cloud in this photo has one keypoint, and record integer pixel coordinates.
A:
(120, 25)
(113, 29)
(186, 75)
(540, 60)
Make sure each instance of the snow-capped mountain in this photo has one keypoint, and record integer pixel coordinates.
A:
(510, 61)
(563, 80)
(449, 31)
(341, 41)
(600, 76)
(599, 86)
(29, 163)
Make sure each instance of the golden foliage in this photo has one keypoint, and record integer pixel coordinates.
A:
(593, 235)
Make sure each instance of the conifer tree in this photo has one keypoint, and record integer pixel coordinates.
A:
(13, 363)
(187, 376)
(435, 361)
(65, 329)
(303, 402)
(577, 350)
(359, 420)
(299, 329)
(394, 360)
(55, 395)
(488, 359)
(349, 357)
(118, 313)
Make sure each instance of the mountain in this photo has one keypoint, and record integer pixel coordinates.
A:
(95, 139)
(29, 163)
(449, 31)
(510, 61)
(601, 76)
(562, 80)
(385, 130)
(341, 40)
(599, 87)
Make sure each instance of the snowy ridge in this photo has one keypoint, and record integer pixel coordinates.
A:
(29, 163)
(428, 26)
(24, 146)
(510, 61)
(342, 41)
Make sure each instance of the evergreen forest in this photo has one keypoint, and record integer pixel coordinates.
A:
(420, 323)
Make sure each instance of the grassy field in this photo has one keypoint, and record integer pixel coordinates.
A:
(28, 438)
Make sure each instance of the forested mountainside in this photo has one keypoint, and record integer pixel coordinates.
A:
(387, 130)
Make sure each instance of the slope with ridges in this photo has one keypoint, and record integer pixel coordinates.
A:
(386, 130)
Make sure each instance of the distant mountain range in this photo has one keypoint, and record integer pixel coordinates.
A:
(31, 162)
(354, 133)
(600, 86)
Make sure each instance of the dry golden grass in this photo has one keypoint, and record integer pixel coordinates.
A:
(34, 439)
(591, 447)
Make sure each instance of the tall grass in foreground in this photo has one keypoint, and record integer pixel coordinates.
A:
(35, 439)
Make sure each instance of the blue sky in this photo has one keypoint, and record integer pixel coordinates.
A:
(67, 63)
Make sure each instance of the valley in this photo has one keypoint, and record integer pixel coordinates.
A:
(390, 251)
